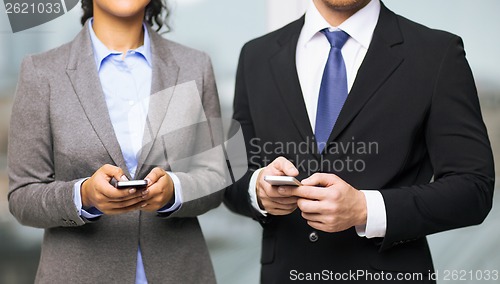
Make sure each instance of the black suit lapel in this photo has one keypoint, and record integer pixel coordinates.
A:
(379, 64)
(284, 70)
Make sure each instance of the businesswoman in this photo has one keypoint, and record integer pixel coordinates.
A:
(115, 104)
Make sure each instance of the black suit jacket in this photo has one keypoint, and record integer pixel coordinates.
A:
(415, 109)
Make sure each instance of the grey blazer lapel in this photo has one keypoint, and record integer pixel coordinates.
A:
(82, 73)
(164, 80)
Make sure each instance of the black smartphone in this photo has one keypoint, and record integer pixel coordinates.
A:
(137, 184)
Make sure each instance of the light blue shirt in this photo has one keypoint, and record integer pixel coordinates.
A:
(126, 84)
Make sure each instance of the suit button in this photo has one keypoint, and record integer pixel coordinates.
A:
(313, 237)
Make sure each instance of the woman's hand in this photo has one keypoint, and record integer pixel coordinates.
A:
(99, 193)
(160, 190)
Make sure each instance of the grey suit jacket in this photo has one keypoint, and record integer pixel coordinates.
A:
(61, 132)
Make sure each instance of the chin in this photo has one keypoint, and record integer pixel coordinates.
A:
(345, 5)
(122, 8)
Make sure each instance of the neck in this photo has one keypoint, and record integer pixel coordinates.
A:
(337, 15)
(120, 34)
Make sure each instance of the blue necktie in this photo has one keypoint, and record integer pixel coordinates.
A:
(333, 90)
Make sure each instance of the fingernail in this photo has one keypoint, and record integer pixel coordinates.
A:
(123, 178)
(132, 190)
(144, 192)
(144, 205)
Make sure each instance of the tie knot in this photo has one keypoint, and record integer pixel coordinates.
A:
(337, 39)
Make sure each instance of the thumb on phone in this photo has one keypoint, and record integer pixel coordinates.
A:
(284, 167)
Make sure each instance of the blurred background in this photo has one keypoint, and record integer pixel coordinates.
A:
(220, 28)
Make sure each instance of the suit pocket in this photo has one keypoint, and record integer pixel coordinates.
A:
(268, 247)
(410, 257)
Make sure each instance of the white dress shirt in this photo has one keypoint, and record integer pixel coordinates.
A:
(312, 54)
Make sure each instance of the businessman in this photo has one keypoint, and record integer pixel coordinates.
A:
(378, 117)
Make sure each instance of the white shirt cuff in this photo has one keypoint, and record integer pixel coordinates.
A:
(77, 198)
(376, 221)
(178, 195)
(253, 193)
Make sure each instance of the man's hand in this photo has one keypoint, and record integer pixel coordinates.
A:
(160, 190)
(328, 203)
(99, 193)
(267, 195)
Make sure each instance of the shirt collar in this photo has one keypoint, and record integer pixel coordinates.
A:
(359, 26)
(101, 51)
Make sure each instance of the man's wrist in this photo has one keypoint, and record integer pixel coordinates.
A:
(257, 191)
(376, 219)
(363, 210)
(252, 192)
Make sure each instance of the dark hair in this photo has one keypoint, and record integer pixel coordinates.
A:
(153, 16)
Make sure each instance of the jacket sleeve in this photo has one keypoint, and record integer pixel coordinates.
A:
(35, 198)
(203, 185)
(236, 197)
(460, 152)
